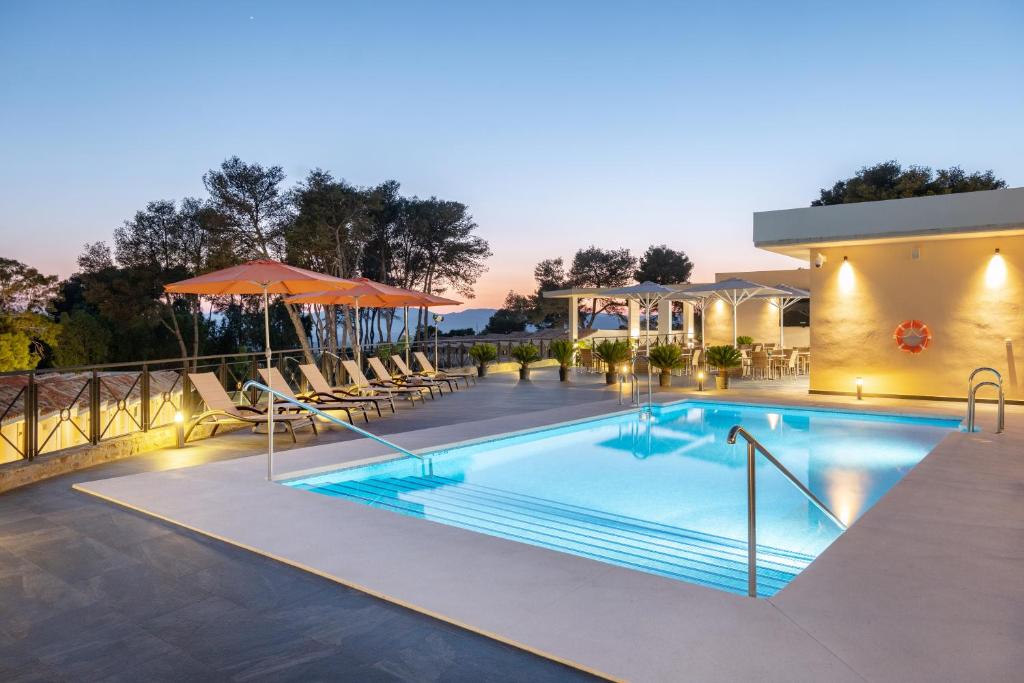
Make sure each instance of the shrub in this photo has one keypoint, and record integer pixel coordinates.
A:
(724, 357)
(666, 357)
(744, 340)
(483, 353)
(613, 352)
(524, 354)
(564, 351)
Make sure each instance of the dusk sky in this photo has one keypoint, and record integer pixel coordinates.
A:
(559, 124)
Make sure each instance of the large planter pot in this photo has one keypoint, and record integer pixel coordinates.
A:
(722, 379)
(524, 373)
(664, 379)
(609, 378)
(481, 371)
(563, 374)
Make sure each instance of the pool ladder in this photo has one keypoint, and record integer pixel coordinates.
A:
(753, 447)
(972, 390)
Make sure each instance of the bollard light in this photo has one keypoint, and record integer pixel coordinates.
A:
(179, 428)
(700, 380)
(860, 388)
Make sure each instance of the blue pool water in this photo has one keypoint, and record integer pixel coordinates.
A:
(665, 494)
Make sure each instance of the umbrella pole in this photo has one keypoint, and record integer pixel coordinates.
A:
(782, 326)
(406, 335)
(270, 395)
(734, 322)
(358, 345)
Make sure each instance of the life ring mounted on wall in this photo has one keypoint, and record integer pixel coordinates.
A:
(912, 336)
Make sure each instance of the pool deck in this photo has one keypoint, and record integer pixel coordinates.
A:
(926, 586)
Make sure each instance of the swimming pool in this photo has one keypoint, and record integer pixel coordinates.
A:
(663, 493)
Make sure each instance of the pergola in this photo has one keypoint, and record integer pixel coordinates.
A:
(664, 308)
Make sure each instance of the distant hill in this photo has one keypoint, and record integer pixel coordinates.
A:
(477, 319)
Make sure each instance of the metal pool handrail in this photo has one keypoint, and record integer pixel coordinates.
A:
(330, 418)
(753, 446)
(972, 390)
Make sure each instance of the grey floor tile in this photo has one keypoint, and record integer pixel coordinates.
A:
(75, 559)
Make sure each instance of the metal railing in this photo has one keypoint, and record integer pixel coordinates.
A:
(280, 398)
(972, 390)
(753, 447)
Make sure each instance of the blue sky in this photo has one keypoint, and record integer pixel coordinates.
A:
(559, 124)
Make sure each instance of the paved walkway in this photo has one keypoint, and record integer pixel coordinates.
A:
(89, 591)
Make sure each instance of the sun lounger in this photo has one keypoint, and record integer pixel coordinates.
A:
(429, 370)
(319, 384)
(385, 378)
(359, 379)
(221, 409)
(276, 381)
(405, 372)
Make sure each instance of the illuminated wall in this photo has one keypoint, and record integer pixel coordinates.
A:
(970, 298)
(757, 318)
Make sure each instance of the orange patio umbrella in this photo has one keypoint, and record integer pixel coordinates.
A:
(370, 294)
(265, 277)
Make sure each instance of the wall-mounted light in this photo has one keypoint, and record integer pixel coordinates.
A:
(860, 388)
(846, 277)
(995, 274)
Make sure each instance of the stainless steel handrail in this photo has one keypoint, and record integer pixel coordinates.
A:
(753, 447)
(972, 390)
(330, 418)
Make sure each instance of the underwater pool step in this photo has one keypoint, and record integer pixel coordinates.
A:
(621, 535)
(719, 544)
(694, 559)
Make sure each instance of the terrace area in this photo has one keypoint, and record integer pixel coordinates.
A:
(925, 586)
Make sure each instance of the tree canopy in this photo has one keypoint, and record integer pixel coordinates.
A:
(114, 308)
(664, 266)
(889, 180)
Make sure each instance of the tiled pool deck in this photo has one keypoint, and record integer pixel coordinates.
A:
(927, 586)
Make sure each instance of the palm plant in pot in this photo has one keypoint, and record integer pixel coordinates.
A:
(613, 353)
(666, 357)
(524, 354)
(723, 359)
(482, 354)
(564, 351)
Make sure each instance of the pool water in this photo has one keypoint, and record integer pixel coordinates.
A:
(662, 493)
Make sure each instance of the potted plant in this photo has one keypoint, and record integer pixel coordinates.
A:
(612, 353)
(744, 340)
(524, 354)
(564, 351)
(723, 358)
(483, 354)
(666, 357)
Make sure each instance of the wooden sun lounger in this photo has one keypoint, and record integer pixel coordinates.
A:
(359, 379)
(276, 381)
(319, 384)
(429, 370)
(386, 379)
(220, 409)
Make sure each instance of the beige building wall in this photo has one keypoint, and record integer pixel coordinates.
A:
(974, 321)
(757, 318)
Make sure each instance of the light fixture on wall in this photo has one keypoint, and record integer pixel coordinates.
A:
(860, 388)
(846, 278)
(995, 274)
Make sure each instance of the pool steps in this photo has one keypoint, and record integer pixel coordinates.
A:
(668, 551)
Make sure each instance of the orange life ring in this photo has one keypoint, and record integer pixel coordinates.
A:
(913, 336)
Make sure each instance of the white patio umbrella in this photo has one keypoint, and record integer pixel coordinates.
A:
(734, 292)
(647, 294)
(699, 303)
(784, 301)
